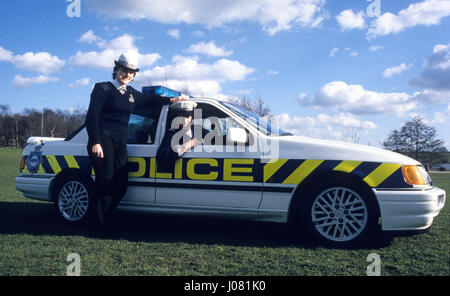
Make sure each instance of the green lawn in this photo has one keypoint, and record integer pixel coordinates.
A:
(32, 242)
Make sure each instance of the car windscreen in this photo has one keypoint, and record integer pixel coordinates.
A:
(261, 124)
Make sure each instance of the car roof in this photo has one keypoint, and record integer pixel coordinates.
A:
(204, 99)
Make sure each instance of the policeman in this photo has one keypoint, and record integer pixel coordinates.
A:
(106, 123)
(178, 139)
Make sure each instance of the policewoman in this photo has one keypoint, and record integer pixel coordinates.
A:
(106, 123)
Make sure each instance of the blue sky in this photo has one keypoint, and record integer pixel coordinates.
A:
(327, 69)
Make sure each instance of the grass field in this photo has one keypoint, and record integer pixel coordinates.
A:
(32, 242)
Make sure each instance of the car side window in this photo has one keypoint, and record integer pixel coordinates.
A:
(214, 124)
(142, 126)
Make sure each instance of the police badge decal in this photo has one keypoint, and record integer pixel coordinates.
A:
(33, 161)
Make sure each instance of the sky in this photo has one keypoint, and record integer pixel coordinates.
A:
(327, 69)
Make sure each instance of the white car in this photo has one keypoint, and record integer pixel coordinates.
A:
(340, 193)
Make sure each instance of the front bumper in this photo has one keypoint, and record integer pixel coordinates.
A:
(409, 209)
(35, 187)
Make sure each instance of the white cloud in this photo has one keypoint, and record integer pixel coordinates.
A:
(5, 55)
(209, 48)
(324, 126)
(198, 33)
(357, 100)
(175, 33)
(121, 43)
(80, 82)
(333, 52)
(389, 72)
(273, 16)
(110, 51)
(272, 72)
(351, 52)
(186, 68)
(305, 99)
(427, 13)
(348, 20)
(24, 82)
(431, 96)
(42, 62)
(376, 48)
(89, 37)
(436, 70)
(244, 92)
(199, 78)
(440, 117)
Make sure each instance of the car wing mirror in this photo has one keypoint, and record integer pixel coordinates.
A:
(238, 135)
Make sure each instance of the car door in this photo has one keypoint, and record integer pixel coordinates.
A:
(142, 146)
(217, 174)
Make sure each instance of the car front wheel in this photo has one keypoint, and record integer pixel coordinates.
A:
(341, 215)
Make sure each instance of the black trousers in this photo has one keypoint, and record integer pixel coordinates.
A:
(111, 171)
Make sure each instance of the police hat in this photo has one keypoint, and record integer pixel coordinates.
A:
(128, 60)
(183, 108)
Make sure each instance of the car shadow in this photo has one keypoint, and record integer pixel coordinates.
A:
(39, 218)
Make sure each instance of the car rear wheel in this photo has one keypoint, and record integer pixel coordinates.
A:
(341, 214)
(74, 199)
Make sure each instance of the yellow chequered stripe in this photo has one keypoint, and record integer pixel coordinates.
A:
(272, 167)
(71, 162)
(54, 163)
(300, 173)
(347, 166)
(381, 173)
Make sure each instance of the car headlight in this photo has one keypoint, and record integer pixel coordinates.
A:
(416, 175)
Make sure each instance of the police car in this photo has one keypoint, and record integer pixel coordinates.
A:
(339, 193)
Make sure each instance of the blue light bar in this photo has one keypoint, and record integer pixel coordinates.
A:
(160, 90)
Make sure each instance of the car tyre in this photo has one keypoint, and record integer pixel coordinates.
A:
(74, 199)
(340, 213)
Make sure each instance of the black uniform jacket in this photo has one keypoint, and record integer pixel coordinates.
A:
(110, 109)
(166, 156)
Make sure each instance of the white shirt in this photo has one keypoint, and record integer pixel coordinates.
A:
(121, 88)
(189, 133)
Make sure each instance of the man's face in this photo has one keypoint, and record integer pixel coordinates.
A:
(187, 122)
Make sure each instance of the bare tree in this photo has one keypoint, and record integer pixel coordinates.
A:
(4, 113)
(256, 106)
(352, 136)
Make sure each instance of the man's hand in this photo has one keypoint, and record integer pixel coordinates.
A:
(179, 99)
(189, 145)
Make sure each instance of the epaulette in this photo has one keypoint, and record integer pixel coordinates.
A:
(106, 86)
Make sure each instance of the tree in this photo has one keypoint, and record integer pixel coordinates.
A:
(74, 119)
(4, 114)
(417, 140)
(16, 128)
(352, 136)
(256, 107)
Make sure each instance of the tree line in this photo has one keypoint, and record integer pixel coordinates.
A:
(16, 128)
(415, 138)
